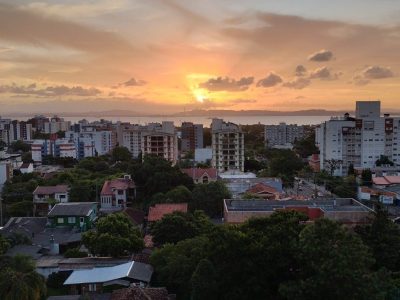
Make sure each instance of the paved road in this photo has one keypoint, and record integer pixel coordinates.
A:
(307, 190)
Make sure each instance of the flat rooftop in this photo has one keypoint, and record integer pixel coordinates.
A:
(338, 204)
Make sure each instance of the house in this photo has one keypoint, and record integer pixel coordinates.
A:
(385, 181)
(263, 190)
(26, 168)
(345, 210)
(93, 280)
(135, 215)
(202, 175)
(382, 195)
(75, 214)
(44, 197)
(158, 211)
(116, 193)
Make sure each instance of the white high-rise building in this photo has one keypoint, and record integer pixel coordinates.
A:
(56, 124)
(359, 141)
(160, 140)
(227, 146)
(283, 134)
(130, 137)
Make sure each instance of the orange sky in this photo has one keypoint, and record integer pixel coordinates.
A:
(163, 56)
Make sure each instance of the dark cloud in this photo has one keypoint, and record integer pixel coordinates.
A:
(377, 72)
(300, 70)
(322, 55)
(297, 83)
(227, 84)
(50, 91)
(270, 80)
(133, 82)
(324, 73)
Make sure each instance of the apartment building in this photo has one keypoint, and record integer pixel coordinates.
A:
(56, 124)
(55, 148)
(192, 136)
(283, 134)
(227, 146)
(130, 137)
(160, 140)
(359, 141)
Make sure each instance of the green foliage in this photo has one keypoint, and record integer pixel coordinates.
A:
(74, 253)
(4, 245)
(19, 146)
(179, 226)
(21, 209)
(366, 177)
(209, 198)
(384, 160)
(115, 236)
(121, 154)
(204, 281)
(19, 280)
(284, 164)
(56, 279)
(383, 238)
(305, 147)
(180, 194)
(330, 253)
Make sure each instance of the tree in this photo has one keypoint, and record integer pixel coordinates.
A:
(209, 198)
(20, 146)
(204, 281)
(74, 252)
(180, 194)
(306, 146)
(383, 160)
(330, 253)
(382, 236)
(4, 245)
(19, 280)
(366, 177)
(351, 170)
(121, 154)
(332, 165)
(179, 226)
(80, 192)
(21, 209)
(115, 236)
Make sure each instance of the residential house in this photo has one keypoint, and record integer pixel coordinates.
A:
(264, 190)
(202, 175)
(44, 197)
(374, 194)
(117, 193)
(158, 211)
(79, 215)
(26, 168)
(93, 280)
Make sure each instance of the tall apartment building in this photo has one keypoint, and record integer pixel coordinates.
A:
(55, 148)
(160, 140)
(192, 136)
(11, 131)
(130, 137)
(38, 122)
(359, 141)
(227, 146)
(283, 134)
(56, 124)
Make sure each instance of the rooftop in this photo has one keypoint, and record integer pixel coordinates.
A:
(72, 209)
(50, 190)
(134, 270)
(160, 210)
(327, 205)
(117, 184)
(386, 180)
(197, 173)
(138, 293)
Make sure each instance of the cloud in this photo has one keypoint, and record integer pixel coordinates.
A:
(50, 91)
(227, 84)
(324, 73)
(377, 72)
(133, 82)
(27, 26)
(322, 55)
(300, 70)
(270, 80)
(298, 83)
(242, 101)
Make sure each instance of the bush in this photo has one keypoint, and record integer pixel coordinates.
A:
(74, 253)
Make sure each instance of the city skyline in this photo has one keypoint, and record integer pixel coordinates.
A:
(171, 56)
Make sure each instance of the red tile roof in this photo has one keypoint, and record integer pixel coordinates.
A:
(197, 173)
(262, 188)
(117, 184)
(386, 180)
(160, 210)
(50, 190)
(136, 215)
(376, 192)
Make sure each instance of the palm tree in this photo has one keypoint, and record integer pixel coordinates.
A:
(20, 281)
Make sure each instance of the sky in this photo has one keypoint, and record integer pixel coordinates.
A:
(166, 56)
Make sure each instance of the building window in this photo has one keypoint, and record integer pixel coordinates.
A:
(92, 287)
(71, 220)
(60, 220)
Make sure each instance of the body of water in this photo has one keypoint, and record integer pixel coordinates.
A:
(206, 121)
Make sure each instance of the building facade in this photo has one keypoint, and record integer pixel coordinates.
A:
(227, 146)
(283, 134)
(192, 136)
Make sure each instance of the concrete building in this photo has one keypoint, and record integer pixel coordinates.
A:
(132, 138)
(42, 195)
(283, 134)
(56, 124)
(160, 140)
(192, 136)
(344, 210)
(55, 148)
(359, 141)
(227, 146)
(116, 193)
